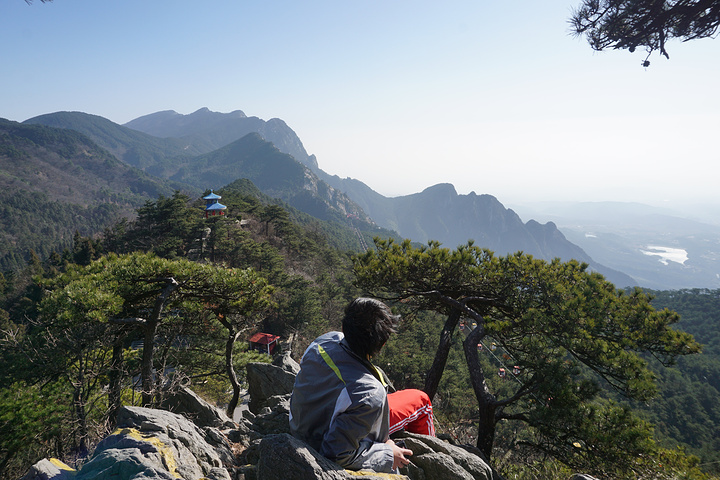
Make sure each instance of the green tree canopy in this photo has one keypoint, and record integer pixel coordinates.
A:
(568, 330)
(138, 289)
(91, 312)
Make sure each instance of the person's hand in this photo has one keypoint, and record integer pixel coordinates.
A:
(399, 454)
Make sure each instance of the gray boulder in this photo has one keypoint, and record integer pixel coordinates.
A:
(267, 380)
(132, 463)
(208, 453)
(158, 444)
(434, 458)
(438, 466)
(189, 404)
(274, 417)
(283, 456)
(286, 362)
(50, 468)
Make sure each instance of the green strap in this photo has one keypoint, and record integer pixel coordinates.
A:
(330, 362)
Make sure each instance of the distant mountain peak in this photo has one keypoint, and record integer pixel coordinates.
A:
(206, 112)
(442, 188)
(208, 131)
(167, 112)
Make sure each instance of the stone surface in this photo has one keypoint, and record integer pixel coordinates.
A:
(438, 466)
(158, 444)
(189, 404)
(283, 457)
(275, 417)
(179, 430)
(126, 464)
(437, 459)
(267, 380)
(50, 469)
(286, 362)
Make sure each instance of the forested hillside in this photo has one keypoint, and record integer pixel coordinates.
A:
(687, 411)
(54, 182)
(275, 173)
(132, 147)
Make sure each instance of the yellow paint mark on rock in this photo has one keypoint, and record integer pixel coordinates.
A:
(61, 465)
(363, 473)
(165, 450)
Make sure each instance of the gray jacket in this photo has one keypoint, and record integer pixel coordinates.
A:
(339, 406)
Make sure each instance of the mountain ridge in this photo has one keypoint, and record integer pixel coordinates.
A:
(80, 194)
(210, 131)
(437, 213)
(456, 218)
(502, 230)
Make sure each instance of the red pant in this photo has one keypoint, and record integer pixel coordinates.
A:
(411, 410)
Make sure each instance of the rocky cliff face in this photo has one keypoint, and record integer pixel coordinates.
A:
(275, 173)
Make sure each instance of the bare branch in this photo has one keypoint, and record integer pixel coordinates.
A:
(128, 321)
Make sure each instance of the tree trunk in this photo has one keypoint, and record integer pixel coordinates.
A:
(147, 363)
(230, 368)
(436, 370)
(115, 389)
(79, 408)
(487, 403)
(486, 423)
(148, 387)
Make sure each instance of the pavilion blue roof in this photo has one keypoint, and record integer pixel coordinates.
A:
(212, 196)
(216, 206)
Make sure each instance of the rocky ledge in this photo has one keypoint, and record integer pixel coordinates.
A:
(190, 439)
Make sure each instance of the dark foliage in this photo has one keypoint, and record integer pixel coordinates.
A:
(687, 411)
(648, 24)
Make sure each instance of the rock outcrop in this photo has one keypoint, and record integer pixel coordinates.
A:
(267, 380)
(189, 404)
(153, 444)
(196, 441)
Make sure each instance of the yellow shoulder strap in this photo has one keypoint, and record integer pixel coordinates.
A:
(379, 375)
(330, 362)
(325, 356)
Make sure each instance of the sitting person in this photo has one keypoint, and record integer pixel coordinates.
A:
(340, 405)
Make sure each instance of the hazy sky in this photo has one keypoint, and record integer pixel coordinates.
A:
(492, 96)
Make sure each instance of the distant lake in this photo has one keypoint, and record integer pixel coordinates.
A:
(667, 254)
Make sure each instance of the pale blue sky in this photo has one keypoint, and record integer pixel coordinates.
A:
(493, 97)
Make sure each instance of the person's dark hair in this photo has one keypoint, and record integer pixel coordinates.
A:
(367, 325)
